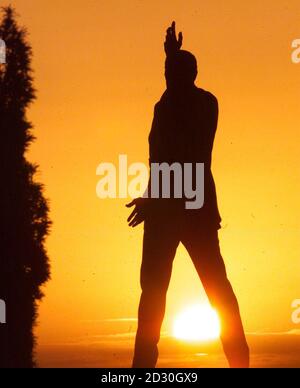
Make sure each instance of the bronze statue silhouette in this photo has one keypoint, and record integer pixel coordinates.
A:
(183, 131)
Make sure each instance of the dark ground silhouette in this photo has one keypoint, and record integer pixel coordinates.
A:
(183, 131)
(24, 222)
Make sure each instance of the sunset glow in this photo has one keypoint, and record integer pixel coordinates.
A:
(197, 323)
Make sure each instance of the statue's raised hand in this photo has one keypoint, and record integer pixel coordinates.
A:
(172, 44)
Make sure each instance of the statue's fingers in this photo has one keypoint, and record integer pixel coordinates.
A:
(131, 203)
(133, 213)
(169, 31)
(180, 39)
(173, 27)
(173, 30)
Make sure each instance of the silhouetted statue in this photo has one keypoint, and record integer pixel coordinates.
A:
(183, 130)
(24, 221)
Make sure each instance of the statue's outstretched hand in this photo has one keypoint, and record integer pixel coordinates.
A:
(141, 208)
(172, 44)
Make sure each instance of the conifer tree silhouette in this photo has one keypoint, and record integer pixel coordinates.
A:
(24, 221)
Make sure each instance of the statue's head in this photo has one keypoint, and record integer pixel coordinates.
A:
(180, 70)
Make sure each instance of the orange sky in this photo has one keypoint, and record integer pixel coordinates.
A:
(99, 70)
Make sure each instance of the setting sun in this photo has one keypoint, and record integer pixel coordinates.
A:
(197, 323)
